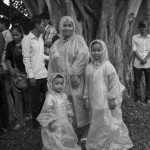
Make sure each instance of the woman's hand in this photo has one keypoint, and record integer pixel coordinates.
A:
(87, 104)
(52, 127)
(112, 104)
(70, 119)
(74, 82)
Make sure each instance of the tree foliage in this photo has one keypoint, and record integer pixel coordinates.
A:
(13, 8)
(18, 4)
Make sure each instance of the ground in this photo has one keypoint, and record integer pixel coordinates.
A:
(135, 115)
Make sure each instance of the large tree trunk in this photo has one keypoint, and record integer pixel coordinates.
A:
(114, 21)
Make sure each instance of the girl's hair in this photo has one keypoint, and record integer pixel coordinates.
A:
(5, 21)
(17, 27)
(59, 76)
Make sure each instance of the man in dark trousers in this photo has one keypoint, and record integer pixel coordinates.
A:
(141, 49)
(33, 58)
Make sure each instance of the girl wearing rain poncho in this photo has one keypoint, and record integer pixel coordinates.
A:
(69, 55)
(57, 132)
(103, 96)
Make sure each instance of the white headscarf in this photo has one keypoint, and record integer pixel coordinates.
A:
(105, 56)
(62, 20)
(51, 79)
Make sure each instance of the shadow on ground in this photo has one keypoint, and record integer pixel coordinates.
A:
(135, 115)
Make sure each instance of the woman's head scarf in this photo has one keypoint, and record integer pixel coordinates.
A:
(51, 79)
(104, 52)
(62, 20)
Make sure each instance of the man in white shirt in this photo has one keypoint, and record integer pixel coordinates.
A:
(34, 60)
(141, 49)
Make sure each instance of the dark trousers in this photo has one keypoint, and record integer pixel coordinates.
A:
(138, 77)
(4, 111)
(36, 101)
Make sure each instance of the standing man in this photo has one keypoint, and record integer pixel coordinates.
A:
(33, 58)
(141, 49)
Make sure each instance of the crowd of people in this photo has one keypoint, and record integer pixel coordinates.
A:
(63, 86)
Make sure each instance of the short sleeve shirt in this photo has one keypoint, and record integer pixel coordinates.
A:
(142, 46)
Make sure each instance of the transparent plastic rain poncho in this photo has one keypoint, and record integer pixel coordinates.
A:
(107, 129)
(70, 57)
(57, 132)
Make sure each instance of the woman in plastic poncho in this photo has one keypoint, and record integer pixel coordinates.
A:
(69, 55)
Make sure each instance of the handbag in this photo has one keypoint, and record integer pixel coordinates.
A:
(19, 79)
(20, 83)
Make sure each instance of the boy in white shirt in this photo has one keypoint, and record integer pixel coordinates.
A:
(141, 49)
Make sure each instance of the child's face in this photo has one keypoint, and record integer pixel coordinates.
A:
(58, 84)
(96, 51)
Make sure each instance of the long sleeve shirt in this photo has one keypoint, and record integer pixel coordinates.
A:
(33, 56)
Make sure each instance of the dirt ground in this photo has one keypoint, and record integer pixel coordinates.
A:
(136, 117)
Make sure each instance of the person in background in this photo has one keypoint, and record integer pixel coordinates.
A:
(49, 33)
(33, 58)
(16, 67)
(56, 117)
(69, 56)
(141, 50)
(103, 97)
(4, 110)
(5, 37)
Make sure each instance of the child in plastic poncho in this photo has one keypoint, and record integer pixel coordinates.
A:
(103, 95)
(57, 132)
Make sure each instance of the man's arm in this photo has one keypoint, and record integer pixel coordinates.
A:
(135, 50)
(26, 57)
(2, 43)
(27, 60)
(147, 57)
(137, 55)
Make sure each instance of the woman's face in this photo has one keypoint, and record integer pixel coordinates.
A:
(67, 29)
(96, 51)
(16, 35)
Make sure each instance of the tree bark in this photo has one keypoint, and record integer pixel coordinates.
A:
(32, 7)
(115, 26)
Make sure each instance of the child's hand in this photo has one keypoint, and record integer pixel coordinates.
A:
(70, 120)
(87, 104)
(112, 104)
(52, 127)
